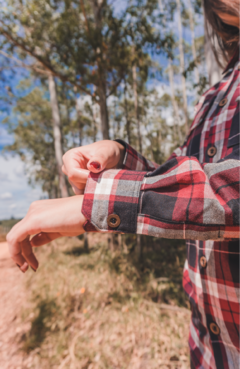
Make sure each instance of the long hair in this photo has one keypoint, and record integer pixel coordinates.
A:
(223, 37)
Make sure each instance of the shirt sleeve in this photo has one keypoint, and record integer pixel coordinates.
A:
(180, 199)
(133, 160)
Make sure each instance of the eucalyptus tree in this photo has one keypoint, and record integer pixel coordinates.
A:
(30, 125)
(193, 45)
(82, 43)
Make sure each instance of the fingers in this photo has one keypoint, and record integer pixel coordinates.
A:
(78, 188)
(74, 166)
(20, 247)
(105, 157)
(76, 175)
(44, 238)
(17, 256)
(15, 249)
(28, 254)
(24, 267)
(98, 163)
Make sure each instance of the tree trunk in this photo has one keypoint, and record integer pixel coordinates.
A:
(104, 113)
(174, 102)
(134, 74)
(85, 242)
(177, 124)
(194, 53)
(182, 66)
(97, 7)
(57, 135)
(214, 70)
(80, 126)
(126, 114)
(139, 248)
(95, 125)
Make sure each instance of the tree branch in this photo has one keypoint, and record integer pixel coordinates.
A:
(117, 83)
(46, 66)
(85, 16)
(23, 65)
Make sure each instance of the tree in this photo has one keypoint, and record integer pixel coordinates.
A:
(213, 68)
(33, 138)
(57, 135)
(34, 141)
(182, 66)
(83, 44)
(170, 71)
(194, 52)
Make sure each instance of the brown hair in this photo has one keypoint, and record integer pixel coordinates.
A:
(224, 37)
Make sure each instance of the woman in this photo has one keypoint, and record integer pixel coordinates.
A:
(194, 195)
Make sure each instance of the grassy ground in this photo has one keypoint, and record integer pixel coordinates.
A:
(5, 226)
(102, 310)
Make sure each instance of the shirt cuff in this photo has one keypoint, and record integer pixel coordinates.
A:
(111, 200)
(133, 160)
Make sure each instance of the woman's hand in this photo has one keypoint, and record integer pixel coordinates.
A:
(46, 220)
(78, 162)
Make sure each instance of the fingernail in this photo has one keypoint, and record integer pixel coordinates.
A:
(20, 268)
(33, 269)
(95, 164)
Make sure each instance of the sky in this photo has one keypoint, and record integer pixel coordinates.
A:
(16, 194)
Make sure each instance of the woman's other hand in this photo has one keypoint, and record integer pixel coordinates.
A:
(46, 220)
(78, 162)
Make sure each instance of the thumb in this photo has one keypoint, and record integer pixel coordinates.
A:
(97, 163)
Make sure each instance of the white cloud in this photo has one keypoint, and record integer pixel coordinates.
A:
(3, 177)
(6, 196)
(5, 137)
(14, 182)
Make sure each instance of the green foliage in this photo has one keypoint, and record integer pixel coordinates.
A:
(31, 125)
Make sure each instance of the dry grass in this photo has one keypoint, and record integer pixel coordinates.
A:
(98, 310)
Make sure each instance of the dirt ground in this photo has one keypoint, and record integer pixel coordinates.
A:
(101, 321)
(12, 294)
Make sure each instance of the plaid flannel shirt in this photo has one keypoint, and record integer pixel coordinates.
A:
(194, 196)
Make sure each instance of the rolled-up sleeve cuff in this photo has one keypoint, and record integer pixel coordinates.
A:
(133, 160)
(111, 201)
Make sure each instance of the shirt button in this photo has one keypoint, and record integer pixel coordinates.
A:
(203, 261)
(113, 220)
(223, 102)
(212, 151)
(214, 328)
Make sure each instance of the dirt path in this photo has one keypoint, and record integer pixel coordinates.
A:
(11, 295)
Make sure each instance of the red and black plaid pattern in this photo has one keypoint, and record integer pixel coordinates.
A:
(112, 192)
(135, 161)
(194, 195)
